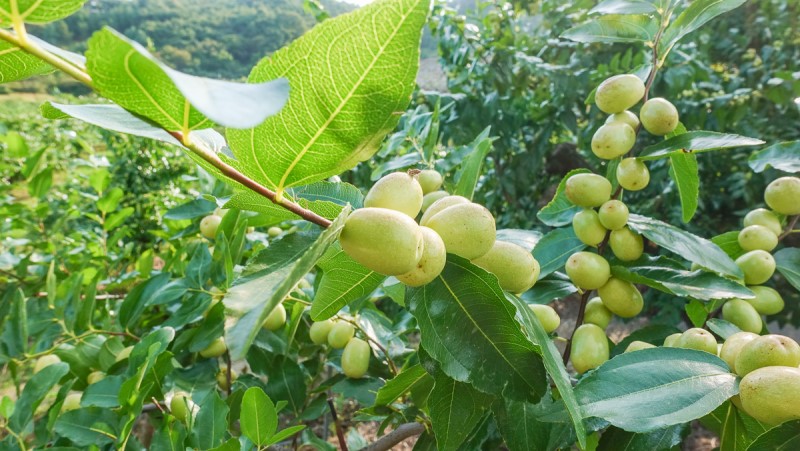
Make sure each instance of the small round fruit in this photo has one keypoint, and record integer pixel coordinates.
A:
(771, 395)
(274, 231)
(733, 345)
(439, 205)
(626, 117)
(468, 230)
(742, 315)
(71, 402)
(45, 361)
(626, 244)
(767, 350)
(434, 256)
(515, 267)
(398, 191)
(276, 318)
(430, 198)
(429, 180)
(589, 348)
(318, 332)
(613, 140)
(767, 301)
(618, 93)
(638, 346)
(757, 237)
(383, 240)
(613, 214)
(632, 174)
(597, 313)
(222, 378)
(588, 271)
(215, 349)
(355, 358)
(588, 228)
(659, 116)
(783, 195)
(209, 226)
(764, 217)
(621, 297)
(181, 406)
(758, 266)
(95, 377)
(672, 340)
(699, 339)
(588, 190)
(340, 334)
(547, 316)
(124, 354)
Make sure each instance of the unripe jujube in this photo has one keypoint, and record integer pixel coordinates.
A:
(398, 191)
(626, 117)
(767, 300)
(215, 349)
(587, 270)
(514, 266)
(771, 395)
(742, 315)
(764, 217)
(468, 230)
(632, 174)
(276, 318)
(757, 266)
(95, 377)
(783, 195)
(429, 180)
(71, 402)
(318, 332)
(340, 334)
(589, 348)
(274, 231)
(618, 93)
(613, 140)
(638, 346)
(431, 264)
(757, 237)
(385, 241)
(45, 361)
(626, 244)
(733, 345)
(588, 228)
(430, 198)
(181, 406)
(209, 226)
(355, 358)
(659, 116)
(439, 205)
(588, 190)
(621, 297)
(597, 313)
(672, 340)
(547, 316)
(613, 214)
(767, 350)
(222, 378)
(699, 339)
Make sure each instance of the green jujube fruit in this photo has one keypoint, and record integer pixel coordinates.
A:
(767, 350)
(429, 180)
(434, 257)
(613, 214)
(597, 313)
(274, 231)
(515, 268)
(468, 230)
(764, 217)
(71, 402)
(699, 339)
(340, 334)
(430, 198)
(659, 116)
(757, 237)
(626, 244)
(215, 349)
(733, 345)
(95, 377)
(767, 301)
(613, 140)
(588, 228)
(632, 174)
(547, 316)
(783, 195)
(45, 361)
(318, 332)
(355, 358)
(385, 241)
(439, 205)
(672, 340)
(618, 93)
(588, 190)
(398, 191)
(589, 348)
(758, 266)
(771, 395)
(638, 346)
(621, 297)
(742, 315)
(626, 117)
(588, 271)
(180, 406)
(209, 226)
(276, 318)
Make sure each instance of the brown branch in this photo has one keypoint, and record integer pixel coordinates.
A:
(578, 322)
(339, 431)
(402, 432)
(789, 227)
(229, 373)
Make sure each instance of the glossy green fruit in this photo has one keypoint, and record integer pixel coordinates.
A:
(430, 198)
(626, 117)
(209, 226)
(276, 318)
(597, 313)
(742, 315)
(71, 402)
(434, 256)
(355, 358)
(764, 217)
(758, 266)
(771, 395)
(783, 195)
(699, 339)
(340, 334)
(222, 378)
(124, 354)
(515, 268)
(468, 230)
(588, 190)
(588, 228)
(626, 244)
(632, 174)
(672, 340)
(441, 204)
(181, 405)
(613, 140)
(659, 116)
(733, 345)
(274, 231)
(398, 191)
(45, 361)
(757, 237)
(613, 214)
(318, 332)
(383, 240)
(621, 297)
(767, 350)
(95, 377)
(215, 349)
(638, 346)
(429, 180)
(767, 301)
(618, 93)
(547, 316)
(588, 271)
(589, 348)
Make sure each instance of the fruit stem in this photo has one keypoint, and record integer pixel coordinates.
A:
(789, 227)
(578, 322)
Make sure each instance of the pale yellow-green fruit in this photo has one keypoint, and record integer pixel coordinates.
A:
(547, 316)
(638, 346)
(209, 226)
(771, 395)
(621, 297)
(742, 315)
(340, 334)
(515, 268)
(626, 117)
(429, 180)
(672, 340)
(588, 271)
(767, 350)
(441, 204)
(45, 361)
(221, 212)
(626, 244)
(613, 214)
(71, 402)
(613, 140)
(764, 217)
(398, 191)
(588, 228)
(757, 266)
(589, 348)
(597, 313)
(385, 241)
(430, 198)
(303, 284)
(618, 93)
(222, 378)
(124, 354)
(733, 345)
(659, 116)
(318, 332)
(215, 349)
(757, 237)
(783, 195)
(274, 231)
(276, 318)
(767, 301)
(699, 339)
(434, 256)
(468, 230)
(632, 174)
(181, 406)
(95, 377)
(355, 358)
(588, 190)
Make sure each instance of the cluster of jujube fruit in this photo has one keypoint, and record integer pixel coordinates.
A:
(341, 335)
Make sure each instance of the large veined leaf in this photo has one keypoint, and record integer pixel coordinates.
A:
(560, 210)
(525, 239)
(468, 326)
(624, 7)
(351, 76)
(782, 156)
(455, 409)
(343, 281)
(696, 142)
(735, 428)
(470, 170)
(693, 17)
(554, 249)
(258, 417)
(16, 64)
(34, 393)
(615, 28)
(37, 11)
(684, 172)
(407, 379)
(324, 198)
(785, 437)
(523, 431)
(125, 72)
(615, 439)
(787, 261)
(729, 242)
(546, 290)
(87, 426)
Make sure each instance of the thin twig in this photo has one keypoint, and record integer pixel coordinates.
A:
(402, 432)
(578, 322)
(339, 431)
(228, 375)
(789, 227)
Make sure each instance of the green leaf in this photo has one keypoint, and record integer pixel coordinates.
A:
(87, 426)
(468, 326)
(472, 165)
(785, 437)
(343, 281)
(104, 393)
(729, 243)
(546, 290)
(15, 330)
(338, 193)
(525, 239)
(251, 201)
(195, 208)
(787, 261)
(170, 437)
(287, 383)
(231, 445)
(258, 417)
(693, 17)
(733, 435)
(624, 7)
(455, 409)
(34, 393)
(691, 247)
(614, 439)
(783, 156)
(696, 142)
(286, 433)
(555, 248)
(523, 431)
(16, 64)
(110, 200)
(37, 11)
(560, 210)
(685, 174)
(615, 28)
(211, 424)
(722, 328)
(360, 70)
(400, 384)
